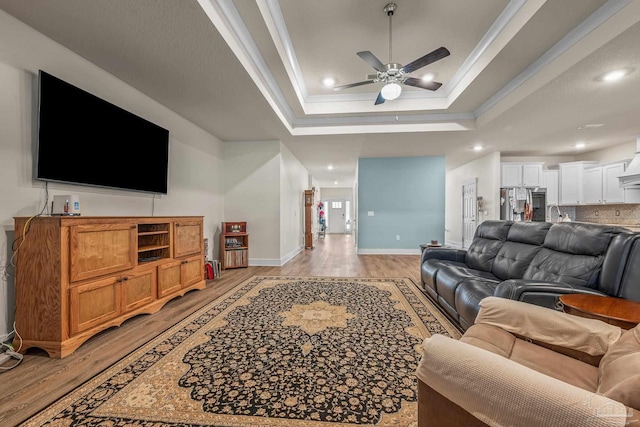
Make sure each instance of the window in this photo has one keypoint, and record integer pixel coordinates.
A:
(336, 205)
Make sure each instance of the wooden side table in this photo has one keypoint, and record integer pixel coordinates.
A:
(615, 311)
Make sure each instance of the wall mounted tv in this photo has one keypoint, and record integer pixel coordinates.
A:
(83, 139)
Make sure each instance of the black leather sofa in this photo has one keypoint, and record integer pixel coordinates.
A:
(534, 262)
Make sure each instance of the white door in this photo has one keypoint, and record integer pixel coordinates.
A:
(336, 216)
(469, 209)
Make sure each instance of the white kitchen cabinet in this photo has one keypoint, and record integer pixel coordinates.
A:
(521, 174)
(593, 186)
(550, 182)
(571, 177)
(611, 190)
(601, 184)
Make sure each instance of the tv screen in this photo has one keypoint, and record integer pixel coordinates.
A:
(83, 139)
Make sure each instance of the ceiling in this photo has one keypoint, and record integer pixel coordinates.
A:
(522, 76)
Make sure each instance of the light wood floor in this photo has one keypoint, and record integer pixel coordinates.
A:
(39, 380)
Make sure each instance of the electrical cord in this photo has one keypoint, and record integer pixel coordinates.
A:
(11, 352)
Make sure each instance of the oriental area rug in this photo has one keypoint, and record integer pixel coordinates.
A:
(273, 351)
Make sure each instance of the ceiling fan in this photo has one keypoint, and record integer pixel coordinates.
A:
(393, 74)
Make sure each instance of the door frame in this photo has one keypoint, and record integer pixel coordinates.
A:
(474, 206)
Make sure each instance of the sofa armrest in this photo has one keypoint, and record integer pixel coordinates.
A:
(445, 254)
(551, 327)
(539, 293)
(501, 392)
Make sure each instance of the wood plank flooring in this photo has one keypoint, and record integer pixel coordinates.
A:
(39, 380)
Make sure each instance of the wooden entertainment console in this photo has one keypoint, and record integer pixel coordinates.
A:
(76, 276)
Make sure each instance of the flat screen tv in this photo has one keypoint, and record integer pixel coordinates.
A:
(83, 139)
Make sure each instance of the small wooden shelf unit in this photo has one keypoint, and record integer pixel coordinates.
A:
(234, 245)
(76, 276)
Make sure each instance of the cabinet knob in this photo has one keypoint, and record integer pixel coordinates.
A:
(125, 278)
(134, 226)
(185, 261)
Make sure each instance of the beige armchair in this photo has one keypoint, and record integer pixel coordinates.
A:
(525, 365)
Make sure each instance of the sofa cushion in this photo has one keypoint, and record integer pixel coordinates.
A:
(572, 253)
(449, 277)
(619, 370)
(540, 359)
(429, 270)
(489, 238)
(524, 241)
(468, 296)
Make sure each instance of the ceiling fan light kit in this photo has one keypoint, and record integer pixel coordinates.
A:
(391, 91)
(392, 74)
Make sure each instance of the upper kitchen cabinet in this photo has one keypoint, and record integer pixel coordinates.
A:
(521, 174)
(550, 182)
(571, 177)
(601, 185)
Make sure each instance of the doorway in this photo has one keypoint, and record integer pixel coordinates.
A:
(469, 211)
(336, 216)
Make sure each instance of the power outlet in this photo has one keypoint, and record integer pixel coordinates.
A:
(397, 237)
(617, 212)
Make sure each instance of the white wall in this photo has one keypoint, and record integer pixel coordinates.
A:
(612, 154)
(195, 163)
(294, 179)
(252, 194)
(264, 185)
(487, 171)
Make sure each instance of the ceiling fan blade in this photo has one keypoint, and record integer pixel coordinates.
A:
(380, 99)
(371, 59)
(411, 81)
(429, 58)
(365, 82)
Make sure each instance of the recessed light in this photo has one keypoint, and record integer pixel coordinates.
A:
(330, 167)
(613, 76)
(335, 182)
(428, 77)
(477, 147)
(329, 81)
(580, 145)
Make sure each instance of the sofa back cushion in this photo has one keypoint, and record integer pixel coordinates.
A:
(488, 239)
(629, 285)
(572, 253)
(619, 370)
(524, 241)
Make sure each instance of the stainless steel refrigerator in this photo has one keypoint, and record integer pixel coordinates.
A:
(523, 204)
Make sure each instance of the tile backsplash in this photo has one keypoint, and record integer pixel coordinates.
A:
(609, 214)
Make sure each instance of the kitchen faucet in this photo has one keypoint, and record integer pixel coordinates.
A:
(559, 213)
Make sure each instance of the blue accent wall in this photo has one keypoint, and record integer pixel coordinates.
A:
(407, 197)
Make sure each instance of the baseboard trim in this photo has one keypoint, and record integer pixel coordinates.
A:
(388, 251)
(271, 262)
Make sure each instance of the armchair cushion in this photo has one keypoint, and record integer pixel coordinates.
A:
(537, 323)
(619, 371)
(502, 392)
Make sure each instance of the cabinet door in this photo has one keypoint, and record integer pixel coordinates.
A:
(550, 182)
(187, 236)
(138, 288)
(570, 184)
(511, 175)
(612, 192)
(96, 250)
(593, 186)
(93, 304)
(169, 280)
(191, 271)
(531, 175)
